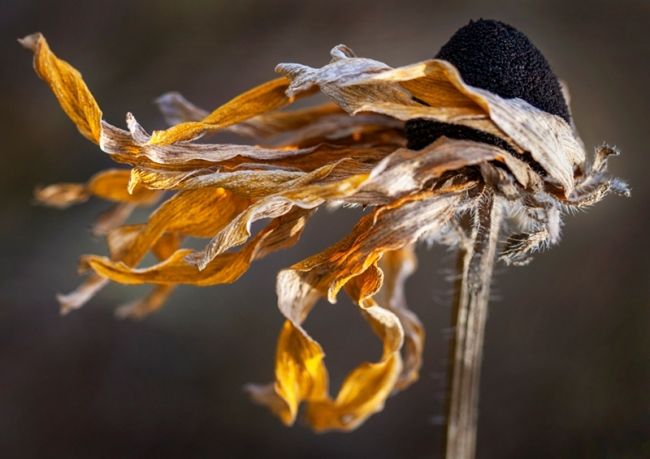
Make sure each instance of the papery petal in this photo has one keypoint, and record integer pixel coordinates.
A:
(350, 263)
(67, 85)
(311, 125)
(397, 266)
(142, 307)
(361, 85)
(188, 212)
(135, 147)
(308, 196)
(111, 184)
(82, 294)
(62, 195)
(260, 99)
(226, 268)
(177, 109)
(354, 84)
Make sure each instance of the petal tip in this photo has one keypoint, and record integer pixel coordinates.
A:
(31, 41)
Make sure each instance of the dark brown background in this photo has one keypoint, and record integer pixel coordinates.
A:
(568, 350)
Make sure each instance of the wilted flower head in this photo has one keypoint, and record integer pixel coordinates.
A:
(502, 151)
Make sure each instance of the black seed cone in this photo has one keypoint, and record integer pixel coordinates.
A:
(497, 57)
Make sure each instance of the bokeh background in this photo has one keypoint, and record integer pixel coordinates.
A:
(567, 362)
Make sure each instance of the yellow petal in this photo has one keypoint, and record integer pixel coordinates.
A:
(301, 375)
(260, 99)
(351, 263)
(314, 192)
(226, 268)
(67, 85)
(299, 371)
(366, 388)
(397, 266)
(113, 185)
(186, 213)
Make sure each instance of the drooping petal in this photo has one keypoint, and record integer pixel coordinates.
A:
(397, 266)
(351, 263)
(282, 232)
(192, 213)
(365, 388)
(308, 196)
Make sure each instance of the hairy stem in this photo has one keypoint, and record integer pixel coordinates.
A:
(476, 264)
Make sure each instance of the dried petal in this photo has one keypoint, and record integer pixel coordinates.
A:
(226, 268)
(260, 99)
(67, 85)
(299, 368)
(397, 266)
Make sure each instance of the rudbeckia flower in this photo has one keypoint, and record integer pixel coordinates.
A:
(474, 149)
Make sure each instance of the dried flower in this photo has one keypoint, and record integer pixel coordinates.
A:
(509, 162)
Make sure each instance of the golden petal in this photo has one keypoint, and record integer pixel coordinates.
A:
(308, 196)
(397, 266)
(67, 85)
(260, 99)
(365, 389)
(113, 185)
(226, 268)
(351, 263)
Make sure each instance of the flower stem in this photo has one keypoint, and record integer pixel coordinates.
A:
(476, 264)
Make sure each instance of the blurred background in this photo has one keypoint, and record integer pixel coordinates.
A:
(567, 362)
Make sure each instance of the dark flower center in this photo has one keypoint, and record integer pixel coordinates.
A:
(497, 57)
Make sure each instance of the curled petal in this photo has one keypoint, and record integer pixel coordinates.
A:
(363, 85)
(67, 85)
(397, 266)
(226, 268)
(366, 388)
(113, 185)
(308, 196)
(351, 263)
